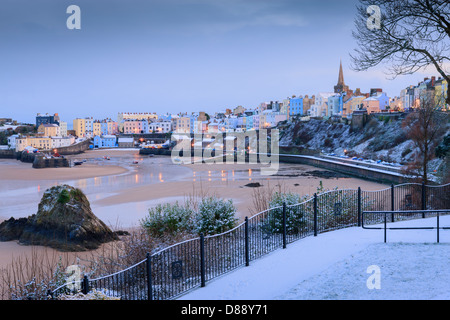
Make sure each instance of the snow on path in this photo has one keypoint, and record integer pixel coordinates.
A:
(334, 265)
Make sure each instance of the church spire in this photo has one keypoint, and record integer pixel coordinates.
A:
(340, 87)
(341, 76)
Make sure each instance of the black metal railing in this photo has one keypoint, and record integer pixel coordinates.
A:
(412, 214)
(173, 271)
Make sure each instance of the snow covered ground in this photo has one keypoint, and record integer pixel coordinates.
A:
(334, 266)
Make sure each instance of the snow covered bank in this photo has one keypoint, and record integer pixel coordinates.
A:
(334, 265)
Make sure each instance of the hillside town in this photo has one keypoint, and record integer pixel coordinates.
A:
(51, 132)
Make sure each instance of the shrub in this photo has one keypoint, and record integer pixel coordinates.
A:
(215, 216)
(294, 215)
(210, 215)
(91, 295)
(406, 152)
(168, 219)
(77, 194)
(444, 147)
(327, 143)
(64, 196)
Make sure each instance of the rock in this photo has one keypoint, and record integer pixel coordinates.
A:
(253, 185)
(12, 229)
(64, 221)
(326, 174)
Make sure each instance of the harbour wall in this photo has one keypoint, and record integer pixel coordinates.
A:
(363, 171)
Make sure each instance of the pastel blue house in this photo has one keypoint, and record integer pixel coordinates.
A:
(193, 119)
(249, 123)
(104, 127)
(335, 105)
(384, 100)
(296, 106)
(240, 122)
(231, 123)
(105, 141)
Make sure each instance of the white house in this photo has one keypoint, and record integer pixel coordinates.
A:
(320, 106)
(63, 128)
(12, 141)
(161, 127)
(58, 142)
(126, 142)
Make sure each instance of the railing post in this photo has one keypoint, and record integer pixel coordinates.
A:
(247, 252)
(315, 214)
(85, 288)
(437, 217)
(149, 277)
(385, 226)
(359, 206)
(424, 199)
(284, 225)
(392, 202)
(202, 260)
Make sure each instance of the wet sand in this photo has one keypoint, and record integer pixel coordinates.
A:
(121, 192)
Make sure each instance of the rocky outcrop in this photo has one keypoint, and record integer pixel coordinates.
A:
(64, 221)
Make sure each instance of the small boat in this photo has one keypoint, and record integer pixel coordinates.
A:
(135, 162)
(78, 163)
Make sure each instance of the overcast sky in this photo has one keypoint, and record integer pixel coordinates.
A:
(173, 55)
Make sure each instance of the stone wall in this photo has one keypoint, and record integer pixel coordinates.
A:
(7, 154)
(353, 170)
(41, 162)
(160, 151)
(155, 137)
(73, 149)
(359, 120)
(26, 157)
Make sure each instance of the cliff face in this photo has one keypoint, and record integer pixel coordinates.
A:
(378, 140)
(64, 221)
(382, 138)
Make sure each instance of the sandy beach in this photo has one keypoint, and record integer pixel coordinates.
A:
(121, 192)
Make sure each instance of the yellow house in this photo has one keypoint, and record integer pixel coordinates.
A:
(97, 128)
(49, 130)
(353, 104)
(42, 143)
(182, 125)
(79, 125)
(137, 116)
(440, 93)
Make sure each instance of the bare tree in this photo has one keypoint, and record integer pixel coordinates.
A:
(409, 36)
(425, 127)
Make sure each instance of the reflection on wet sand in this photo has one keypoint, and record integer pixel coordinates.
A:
(126, 196)
(18, 199)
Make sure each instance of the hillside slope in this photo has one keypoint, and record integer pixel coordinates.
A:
(380, 139)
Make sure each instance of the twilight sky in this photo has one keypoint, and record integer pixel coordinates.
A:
(174, 55)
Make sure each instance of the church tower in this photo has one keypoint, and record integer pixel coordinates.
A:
(340, 87)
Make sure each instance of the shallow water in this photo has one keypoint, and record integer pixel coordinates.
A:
(20, 198)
